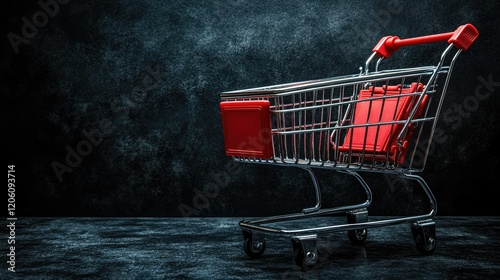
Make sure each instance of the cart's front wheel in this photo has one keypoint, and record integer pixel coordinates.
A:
(253, 248)
(357, 236)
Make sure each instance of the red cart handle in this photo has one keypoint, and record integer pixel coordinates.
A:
(462, 38)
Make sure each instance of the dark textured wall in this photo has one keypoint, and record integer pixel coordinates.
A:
(133, 86)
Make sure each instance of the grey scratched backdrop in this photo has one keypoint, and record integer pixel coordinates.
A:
(132, 86)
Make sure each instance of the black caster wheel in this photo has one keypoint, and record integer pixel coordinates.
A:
(425, 237)
(306, 261)
(253, 248)
(357, 236)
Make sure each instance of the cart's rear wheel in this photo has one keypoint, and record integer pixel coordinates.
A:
(357, 236)
(425, 237)
(253, 249)
(307, 261)
(298, 257)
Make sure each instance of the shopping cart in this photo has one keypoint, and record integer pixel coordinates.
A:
(381, 121)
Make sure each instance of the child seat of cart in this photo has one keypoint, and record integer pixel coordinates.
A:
(371, 140)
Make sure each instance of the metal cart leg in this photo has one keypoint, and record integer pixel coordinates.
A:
(317, 192)
(358, 236)
(425, 187)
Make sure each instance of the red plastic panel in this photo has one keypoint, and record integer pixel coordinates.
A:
(381, 139)
(247, 128)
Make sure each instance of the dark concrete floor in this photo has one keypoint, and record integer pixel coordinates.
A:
(211, 248)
